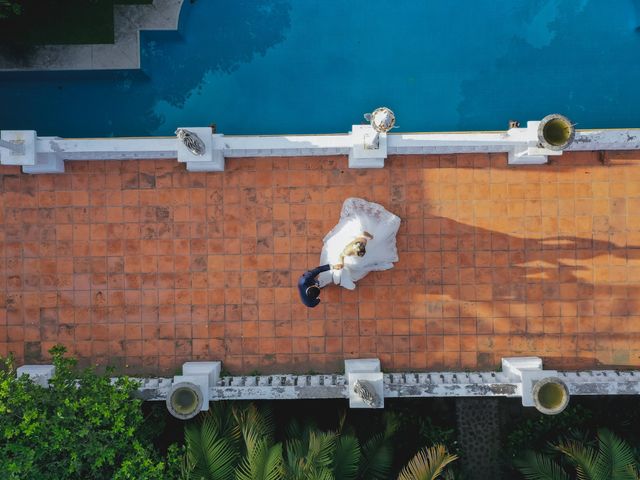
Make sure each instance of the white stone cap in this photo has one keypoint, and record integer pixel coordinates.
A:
(362, 365)
(527, 371)
(210, 370)
(212, 160)
(513, 366)
(25, 140)
(361, 136)
(185, 155)
(375, 379)
(360, 155)
(40, 374)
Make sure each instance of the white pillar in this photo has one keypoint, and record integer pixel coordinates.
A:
(367, 371)
(19, 147)
(364, 153)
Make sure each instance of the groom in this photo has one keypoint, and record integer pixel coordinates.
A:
(308, 285)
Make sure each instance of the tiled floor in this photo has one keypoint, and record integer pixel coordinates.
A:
(144, 265)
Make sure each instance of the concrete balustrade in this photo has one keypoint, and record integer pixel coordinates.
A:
(517, 379)
(522, 145)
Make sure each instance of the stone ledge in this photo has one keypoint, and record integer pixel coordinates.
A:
(400, 385)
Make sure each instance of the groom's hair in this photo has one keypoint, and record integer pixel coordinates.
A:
(313, 291)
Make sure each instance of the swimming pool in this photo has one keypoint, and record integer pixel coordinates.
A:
(310, 66)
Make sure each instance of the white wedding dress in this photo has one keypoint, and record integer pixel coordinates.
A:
(359, 216)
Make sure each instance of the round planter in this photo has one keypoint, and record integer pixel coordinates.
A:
(184, 400)
(550, 395)
(556, 132)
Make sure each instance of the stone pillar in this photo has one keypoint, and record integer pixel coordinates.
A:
(211, 160)
(366, 387)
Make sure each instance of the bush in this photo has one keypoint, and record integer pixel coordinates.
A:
(537, 431)
(9, 8)
(82, 426)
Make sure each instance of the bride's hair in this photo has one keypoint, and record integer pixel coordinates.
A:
(313, 291)
(360, 248)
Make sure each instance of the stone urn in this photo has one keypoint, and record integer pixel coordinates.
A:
(184, 400)
(550, 395)
(556, 132)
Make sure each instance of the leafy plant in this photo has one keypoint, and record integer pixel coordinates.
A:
(212, 446)
(9, 8)
(82, 426)
(239, 443)
(311, 456)
(536, 432)
(232, 442)
(428, 464)
(263, 457)
(612, 459)
(377, 452)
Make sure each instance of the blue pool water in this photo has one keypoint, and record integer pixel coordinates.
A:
(311, 66)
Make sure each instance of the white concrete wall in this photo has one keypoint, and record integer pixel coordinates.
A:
(519, 143)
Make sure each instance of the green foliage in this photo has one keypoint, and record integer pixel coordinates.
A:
(232, 443)
(215, 449)
(428, 464)
(535, 466)
(612, 459)
(536, 432)
(141, 464)
(417, 429)
(212, 451)
(9, 8)
(431, 434)
(311, 456)
(263, 457)
(377, 452)
(82, 426)
(346, 458)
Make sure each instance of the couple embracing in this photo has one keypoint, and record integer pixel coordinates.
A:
(363, 241)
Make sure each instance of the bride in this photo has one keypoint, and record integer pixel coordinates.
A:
(363, 241)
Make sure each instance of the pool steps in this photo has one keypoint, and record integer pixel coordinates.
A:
(123, 54)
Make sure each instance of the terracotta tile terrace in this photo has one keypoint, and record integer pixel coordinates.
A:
(143, 265)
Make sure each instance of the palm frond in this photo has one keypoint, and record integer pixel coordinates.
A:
(295, 429)
(539, 467)
(392, 423)
(342, 418)
(427, 464)
(346, 457)
(321, 448)
(584, 459)
(377, 452)
(322, 473)
(274, 463)
(261, 462)
(307, 457)
(296, 451)
(227, 425)
(186, 468)
(377, 458)
(210, 455)
(615, 456)
(250, 418)
(632, 470)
